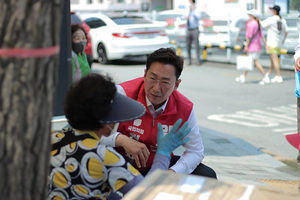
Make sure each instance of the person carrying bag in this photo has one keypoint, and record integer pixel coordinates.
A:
(254, 36)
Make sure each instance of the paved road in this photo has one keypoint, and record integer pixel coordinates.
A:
(260, 115)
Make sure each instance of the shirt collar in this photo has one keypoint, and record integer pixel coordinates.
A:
(159, 110)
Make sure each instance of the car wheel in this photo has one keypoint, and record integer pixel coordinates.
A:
(102, 57)
(90, 60)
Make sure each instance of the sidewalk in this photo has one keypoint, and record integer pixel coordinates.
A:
(235, 160)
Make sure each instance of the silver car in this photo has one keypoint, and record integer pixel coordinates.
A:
(175, 25)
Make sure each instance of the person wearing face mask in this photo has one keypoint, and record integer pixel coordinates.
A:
(81, 166)
(80, 64)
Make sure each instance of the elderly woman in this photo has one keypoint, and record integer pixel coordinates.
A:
(82, 167)
(80, 65)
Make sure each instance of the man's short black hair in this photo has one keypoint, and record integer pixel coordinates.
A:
(89, 100)
(166, 56)
(194, 1)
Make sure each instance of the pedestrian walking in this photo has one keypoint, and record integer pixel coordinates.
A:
(192, 34)
(254, 36)
(277, 29)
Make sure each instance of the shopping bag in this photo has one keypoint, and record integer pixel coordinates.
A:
(297, 84)
(244, 63)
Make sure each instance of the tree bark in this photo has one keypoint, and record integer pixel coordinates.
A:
(27, 87)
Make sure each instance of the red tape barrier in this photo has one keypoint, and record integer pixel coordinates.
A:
(29, 53)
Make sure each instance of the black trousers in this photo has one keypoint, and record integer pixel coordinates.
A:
(201, 169)
(192, 37)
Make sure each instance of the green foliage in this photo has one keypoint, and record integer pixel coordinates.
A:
(295, 5)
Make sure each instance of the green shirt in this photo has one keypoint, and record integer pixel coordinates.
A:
(83, 63)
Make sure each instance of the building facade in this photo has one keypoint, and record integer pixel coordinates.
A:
(121, 5)
(215, 8)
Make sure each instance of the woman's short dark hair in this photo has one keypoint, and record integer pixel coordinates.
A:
(76, 27)
(88, 101)
(166, 56)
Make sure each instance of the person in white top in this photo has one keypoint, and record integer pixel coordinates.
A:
(276, 35)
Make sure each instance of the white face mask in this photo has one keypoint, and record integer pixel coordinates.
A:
(113, 130)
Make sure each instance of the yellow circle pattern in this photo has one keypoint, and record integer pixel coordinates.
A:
(95, 168)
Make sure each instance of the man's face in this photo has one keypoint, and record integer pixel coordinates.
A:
(160, 82)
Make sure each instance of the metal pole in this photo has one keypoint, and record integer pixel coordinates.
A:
(228, 50)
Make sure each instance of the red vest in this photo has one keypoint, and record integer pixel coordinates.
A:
(144, 129)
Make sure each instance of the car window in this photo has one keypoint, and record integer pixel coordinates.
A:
(165, 17)
(130, 20)
(95, 22)
(204, 15)
(75, 19)
(292, 22)
(241, 23)
(220, 23)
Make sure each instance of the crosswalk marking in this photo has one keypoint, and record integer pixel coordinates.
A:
(271, 117)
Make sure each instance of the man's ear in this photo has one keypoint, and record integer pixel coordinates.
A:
(145, 72)
(177, 84)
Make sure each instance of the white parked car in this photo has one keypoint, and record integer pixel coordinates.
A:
(175, 24)
(117, 36)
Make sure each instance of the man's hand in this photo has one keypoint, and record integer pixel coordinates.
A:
(138, 150)
(297, 65)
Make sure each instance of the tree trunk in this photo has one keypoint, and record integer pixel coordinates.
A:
(27, 87)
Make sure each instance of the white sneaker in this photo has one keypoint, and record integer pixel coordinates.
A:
(277, 79)
(265, 80)
(240, 79)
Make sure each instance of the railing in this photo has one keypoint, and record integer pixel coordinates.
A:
(228, 49)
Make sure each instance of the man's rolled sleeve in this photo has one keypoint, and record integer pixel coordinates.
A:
(194, 153)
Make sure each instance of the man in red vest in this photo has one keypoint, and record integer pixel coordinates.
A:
(157, 91)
